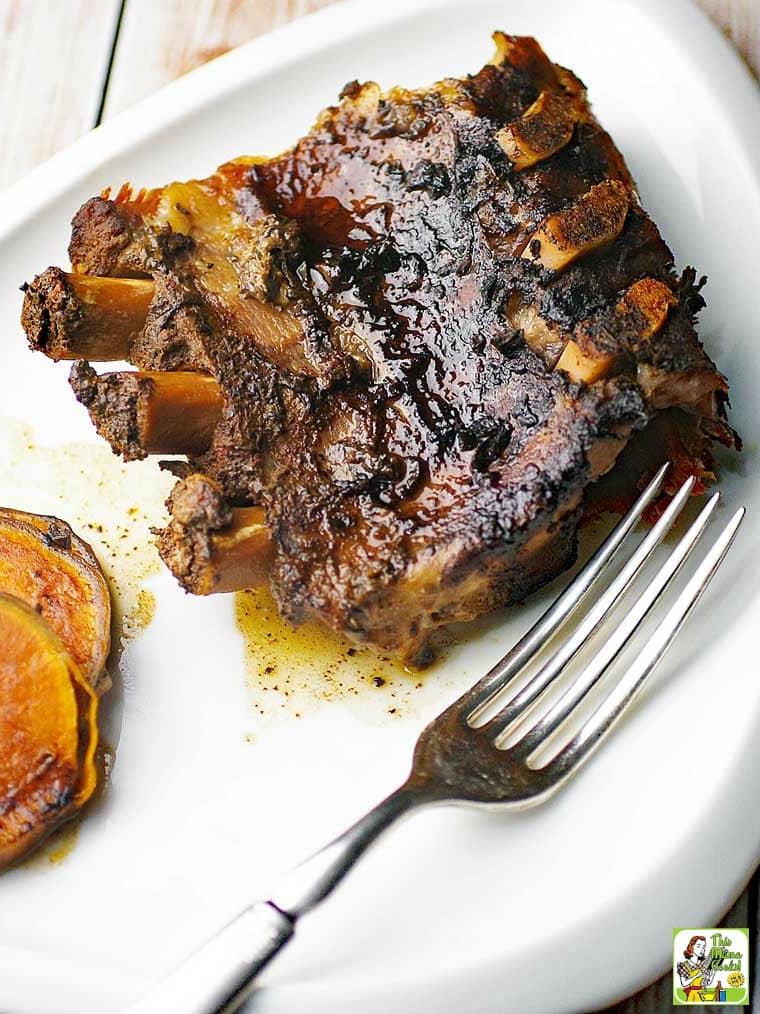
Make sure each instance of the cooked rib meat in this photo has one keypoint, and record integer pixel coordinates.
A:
(424, 332)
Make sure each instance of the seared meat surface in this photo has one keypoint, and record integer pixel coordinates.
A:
(396, 356)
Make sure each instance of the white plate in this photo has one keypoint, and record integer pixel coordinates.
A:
(559, 909)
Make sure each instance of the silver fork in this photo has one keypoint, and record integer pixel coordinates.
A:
(465, 756)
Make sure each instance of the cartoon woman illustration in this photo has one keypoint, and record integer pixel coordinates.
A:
(695, 973)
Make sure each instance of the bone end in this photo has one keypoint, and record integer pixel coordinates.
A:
(75, 316)
(594, 221)
(141, 413)
(211, 547)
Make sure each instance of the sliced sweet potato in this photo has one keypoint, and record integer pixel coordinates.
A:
(48, 731)
(46, 565)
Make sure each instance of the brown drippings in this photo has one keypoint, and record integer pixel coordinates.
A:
(62, 843)
(59, 845)
(292, 669)
(112, 506)
(55, 848)
(140, 616)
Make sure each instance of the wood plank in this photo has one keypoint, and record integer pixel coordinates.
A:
(740, 20)
(159, 41)
(53, 61)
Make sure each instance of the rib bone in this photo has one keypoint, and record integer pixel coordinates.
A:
(651, 301)
(595, 220)
(543, 129)
(211, 547)
(585, 363)
(383, 306)
(141, 413)
(598, 351)
(75, 316)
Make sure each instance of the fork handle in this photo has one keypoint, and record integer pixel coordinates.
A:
(220, 976)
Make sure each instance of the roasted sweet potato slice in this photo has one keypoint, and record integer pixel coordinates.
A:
(50, 568)
(48, 731)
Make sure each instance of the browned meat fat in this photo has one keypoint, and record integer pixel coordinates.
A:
(419, 337)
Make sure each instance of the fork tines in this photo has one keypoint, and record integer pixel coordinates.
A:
(530, 718)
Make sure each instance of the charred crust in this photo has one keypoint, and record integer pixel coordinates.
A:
(179, 469)
(689, 291)
(350, 90)
(268, 267)
(50, 312)
(176, 332)
(111, 238)
(100, 234)
(171, 248)
(114, 404)
(58, 534)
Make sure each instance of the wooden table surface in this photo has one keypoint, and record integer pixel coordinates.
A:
(67, 65)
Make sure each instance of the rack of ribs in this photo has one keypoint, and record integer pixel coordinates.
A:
(396, 358)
